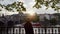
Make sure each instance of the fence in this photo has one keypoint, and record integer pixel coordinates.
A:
(21, 30)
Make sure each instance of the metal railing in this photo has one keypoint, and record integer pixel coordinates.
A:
(21, 30)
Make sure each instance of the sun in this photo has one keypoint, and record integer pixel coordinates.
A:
(30, 13)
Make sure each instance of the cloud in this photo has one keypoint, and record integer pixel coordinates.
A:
(6, 2)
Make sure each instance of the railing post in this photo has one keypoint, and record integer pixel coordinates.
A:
(22, 31)
(42, 30)
(35, 30)
(0, 30)
(19, 30)
(45, 30)
(7, 30)
(49, 30)
(55, 30)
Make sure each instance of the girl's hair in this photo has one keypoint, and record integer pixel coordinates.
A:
(28, 20)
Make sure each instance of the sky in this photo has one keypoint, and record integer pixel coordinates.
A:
(29, 6)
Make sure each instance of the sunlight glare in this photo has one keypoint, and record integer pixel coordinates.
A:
(31, 13)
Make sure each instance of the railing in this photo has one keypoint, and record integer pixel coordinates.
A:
(19, 30)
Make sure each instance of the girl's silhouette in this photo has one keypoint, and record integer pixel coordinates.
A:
(28, 27)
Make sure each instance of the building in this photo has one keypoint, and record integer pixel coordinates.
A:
(48, 16)
(19, 18)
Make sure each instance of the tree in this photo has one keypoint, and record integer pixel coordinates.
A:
(16, 5)
(19, 5)
(36, 18)
(10, 23)
(47, 3)
(45, 19)
(46, 22)
(53, 21)
(1, 23)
